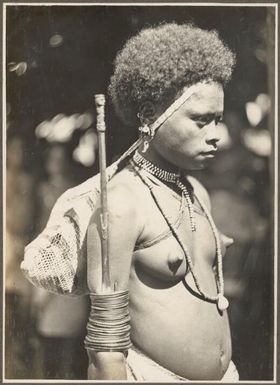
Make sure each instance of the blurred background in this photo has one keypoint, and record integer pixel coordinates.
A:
(57, 57)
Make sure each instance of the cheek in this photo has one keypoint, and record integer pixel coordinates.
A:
(167, 141)
(175, 148)
(178, 136)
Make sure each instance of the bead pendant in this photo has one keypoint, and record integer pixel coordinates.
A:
(222, 302)
(145, 146)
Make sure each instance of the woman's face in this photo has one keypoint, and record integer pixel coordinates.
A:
(189, 138)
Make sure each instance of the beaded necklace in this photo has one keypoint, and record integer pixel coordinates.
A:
(170, 177)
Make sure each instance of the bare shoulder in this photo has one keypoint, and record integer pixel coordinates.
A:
(125, 226)
(200, 190)
(125, 193)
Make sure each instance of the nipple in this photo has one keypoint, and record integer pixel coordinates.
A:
(227, 241)
(174, 261)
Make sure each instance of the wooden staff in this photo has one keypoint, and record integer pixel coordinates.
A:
(101, 128)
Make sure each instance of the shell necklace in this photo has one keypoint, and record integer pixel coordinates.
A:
(142, 163)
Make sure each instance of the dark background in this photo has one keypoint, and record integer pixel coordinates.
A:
(47, 77)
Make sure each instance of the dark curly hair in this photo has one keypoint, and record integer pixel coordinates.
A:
(155, 65)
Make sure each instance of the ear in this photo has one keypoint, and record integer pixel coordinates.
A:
(147, 113)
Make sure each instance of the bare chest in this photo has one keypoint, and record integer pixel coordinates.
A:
(161, 253)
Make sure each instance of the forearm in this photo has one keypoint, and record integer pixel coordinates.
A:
(106, 366)
(108, 336)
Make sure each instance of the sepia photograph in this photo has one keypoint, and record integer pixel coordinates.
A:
(140, 192)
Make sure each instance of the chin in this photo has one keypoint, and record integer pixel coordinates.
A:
(195, 167)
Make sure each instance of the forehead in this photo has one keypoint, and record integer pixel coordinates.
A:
(208, 98)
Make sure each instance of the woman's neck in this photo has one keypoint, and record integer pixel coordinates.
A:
(154, 157)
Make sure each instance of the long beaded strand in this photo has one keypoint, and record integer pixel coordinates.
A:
(189, 203)
(218, 245)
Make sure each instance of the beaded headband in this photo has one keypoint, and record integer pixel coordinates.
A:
(175, 106)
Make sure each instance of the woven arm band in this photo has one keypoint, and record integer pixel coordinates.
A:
(108, 327)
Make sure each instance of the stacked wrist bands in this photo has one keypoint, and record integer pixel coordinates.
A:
(108, 327)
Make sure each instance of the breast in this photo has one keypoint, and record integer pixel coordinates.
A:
(164, 259)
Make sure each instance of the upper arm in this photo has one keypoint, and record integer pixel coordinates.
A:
(123, 228)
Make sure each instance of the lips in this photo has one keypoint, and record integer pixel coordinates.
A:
(209, 154)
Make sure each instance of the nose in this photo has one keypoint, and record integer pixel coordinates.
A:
(212, 133)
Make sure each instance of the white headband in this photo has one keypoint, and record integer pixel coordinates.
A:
(176, 105)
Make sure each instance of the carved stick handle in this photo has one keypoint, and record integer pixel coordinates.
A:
(101, 129)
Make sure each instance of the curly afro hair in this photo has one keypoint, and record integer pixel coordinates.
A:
(155, 65)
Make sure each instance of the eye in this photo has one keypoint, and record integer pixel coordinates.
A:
(218, 119)
(202, 120)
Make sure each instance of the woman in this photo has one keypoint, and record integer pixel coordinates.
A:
(163, 243)
(165, 252)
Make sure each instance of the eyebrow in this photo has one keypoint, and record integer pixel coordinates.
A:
(202, 110)
(206, 114)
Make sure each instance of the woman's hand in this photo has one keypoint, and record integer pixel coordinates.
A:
(106, 366)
